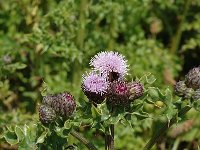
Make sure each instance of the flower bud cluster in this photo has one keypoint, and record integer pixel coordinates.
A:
(58, 105)
(190, 87)
(107, 80)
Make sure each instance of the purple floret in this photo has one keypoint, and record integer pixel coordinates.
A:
(108, 62)
(95, 83)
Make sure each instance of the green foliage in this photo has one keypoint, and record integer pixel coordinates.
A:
(45, 46)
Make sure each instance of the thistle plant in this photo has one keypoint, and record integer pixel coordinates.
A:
(107, 90)
(113, 100)
(110, 86)
(127, 96)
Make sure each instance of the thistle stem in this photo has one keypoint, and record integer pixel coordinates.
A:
(109, 138)
(83, 140)
(165, 127)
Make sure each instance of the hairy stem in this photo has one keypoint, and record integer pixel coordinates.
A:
(166, 126)
(83, 140)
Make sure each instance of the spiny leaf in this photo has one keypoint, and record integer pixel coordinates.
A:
(11, 137)
(19, 133)
(42, 137)
(95, 112)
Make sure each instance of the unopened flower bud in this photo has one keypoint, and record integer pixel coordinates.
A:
(180, 88)
(48, 100)
(118, 93)
(196, 95)
(46, 114)
(64, 104)
(193, 78)
(136, 90)
(188, 93)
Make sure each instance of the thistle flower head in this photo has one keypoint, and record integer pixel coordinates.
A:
(108, 62)
(95, 83)
(118, 93)
(95, 87)
(63, 104)
(193, 78)
(180, 88)
(66, 104)
(136, 90)
(196, 95)
(48, 99)
(188, 93)
(120, 88)
(46, 114)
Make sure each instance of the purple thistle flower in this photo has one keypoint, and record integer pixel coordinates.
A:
(95, 87)
(110, 62)
(95, 83)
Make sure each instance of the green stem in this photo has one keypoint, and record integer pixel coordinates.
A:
(109, 138)
(177, 38)
(166, 126)
(83, 140)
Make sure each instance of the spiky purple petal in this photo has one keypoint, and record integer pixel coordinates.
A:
(95, 87)
(95, 83)
(107, 62)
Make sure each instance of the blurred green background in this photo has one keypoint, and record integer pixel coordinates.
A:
(47, 45)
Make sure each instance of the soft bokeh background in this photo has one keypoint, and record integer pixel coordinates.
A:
(47, 45)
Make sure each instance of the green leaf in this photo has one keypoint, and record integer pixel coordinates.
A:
(168, 97)
(196, 105)
(42, 137)
(68, 124)
(141, 116)
(154, 93)
(150, 79)
(32, 132)
(15, 66)
(11, 137)
(62, 132)
(136, 106)
(95, 112)
(30, 136)
(104, 117)
(19, 133)
(115, 119)
(170, 111)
